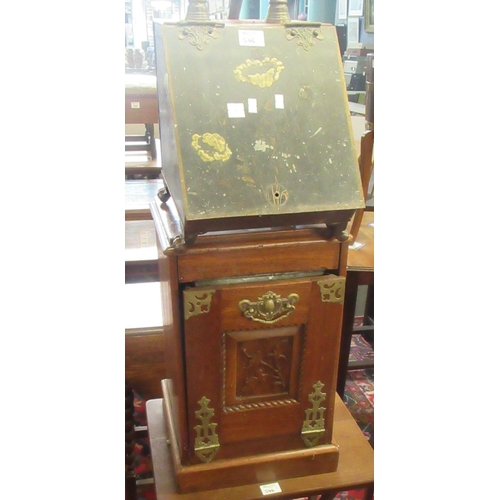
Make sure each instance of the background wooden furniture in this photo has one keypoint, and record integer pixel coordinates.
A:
(360, 262)
(139, 164)
(365, 159)
(360, 271)
(355, 470)
(141, 107)
(145, 367)
(141, 255)
(130, 479)
(145, 362)
(138, 195)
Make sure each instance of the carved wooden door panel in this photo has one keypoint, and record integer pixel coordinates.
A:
(265, 355)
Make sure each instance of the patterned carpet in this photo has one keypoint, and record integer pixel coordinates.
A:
(358, 397)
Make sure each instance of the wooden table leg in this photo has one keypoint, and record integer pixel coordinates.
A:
(350, 296)
(369, 493)
(369, 320)
(130, 479)
(328, 496)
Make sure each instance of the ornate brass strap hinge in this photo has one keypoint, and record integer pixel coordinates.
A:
(332, 290)
(198, 27)
(269, 308)
(199, 35)
(206, 443)
(197, 302)
(305, 34)
(313, 427)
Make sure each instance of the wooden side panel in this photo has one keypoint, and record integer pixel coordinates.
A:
(202, 343)
(174, 348)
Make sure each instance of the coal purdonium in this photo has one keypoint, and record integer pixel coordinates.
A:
(254, 125)
(261, 178)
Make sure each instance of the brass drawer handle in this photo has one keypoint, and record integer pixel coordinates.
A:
(269, 308)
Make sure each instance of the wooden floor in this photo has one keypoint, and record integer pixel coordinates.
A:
(361, 254)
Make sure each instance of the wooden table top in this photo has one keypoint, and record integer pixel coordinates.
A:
(141, 254)
(355, 468)
(140, 241)
(362, 258)
(140, 162)
(140, 84)
(138, 196)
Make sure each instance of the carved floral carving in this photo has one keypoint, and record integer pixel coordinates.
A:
(266, 367)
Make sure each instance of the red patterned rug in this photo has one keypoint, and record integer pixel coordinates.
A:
(358, 398)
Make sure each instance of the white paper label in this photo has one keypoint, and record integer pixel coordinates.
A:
(269, 489)
(279, 101)
(235, 110)
(252, 105)
(251, 38)
(135, 105)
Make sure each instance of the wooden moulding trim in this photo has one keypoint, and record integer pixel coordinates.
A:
(137, 214)
(172, 438)
(258, 469)
(140, 332)
(247, 469)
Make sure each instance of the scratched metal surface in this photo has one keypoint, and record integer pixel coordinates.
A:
(261, 121)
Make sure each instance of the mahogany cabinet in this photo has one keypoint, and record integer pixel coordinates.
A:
(252, 355)
(260, 181)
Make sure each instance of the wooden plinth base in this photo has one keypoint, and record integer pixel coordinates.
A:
(262, 468)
